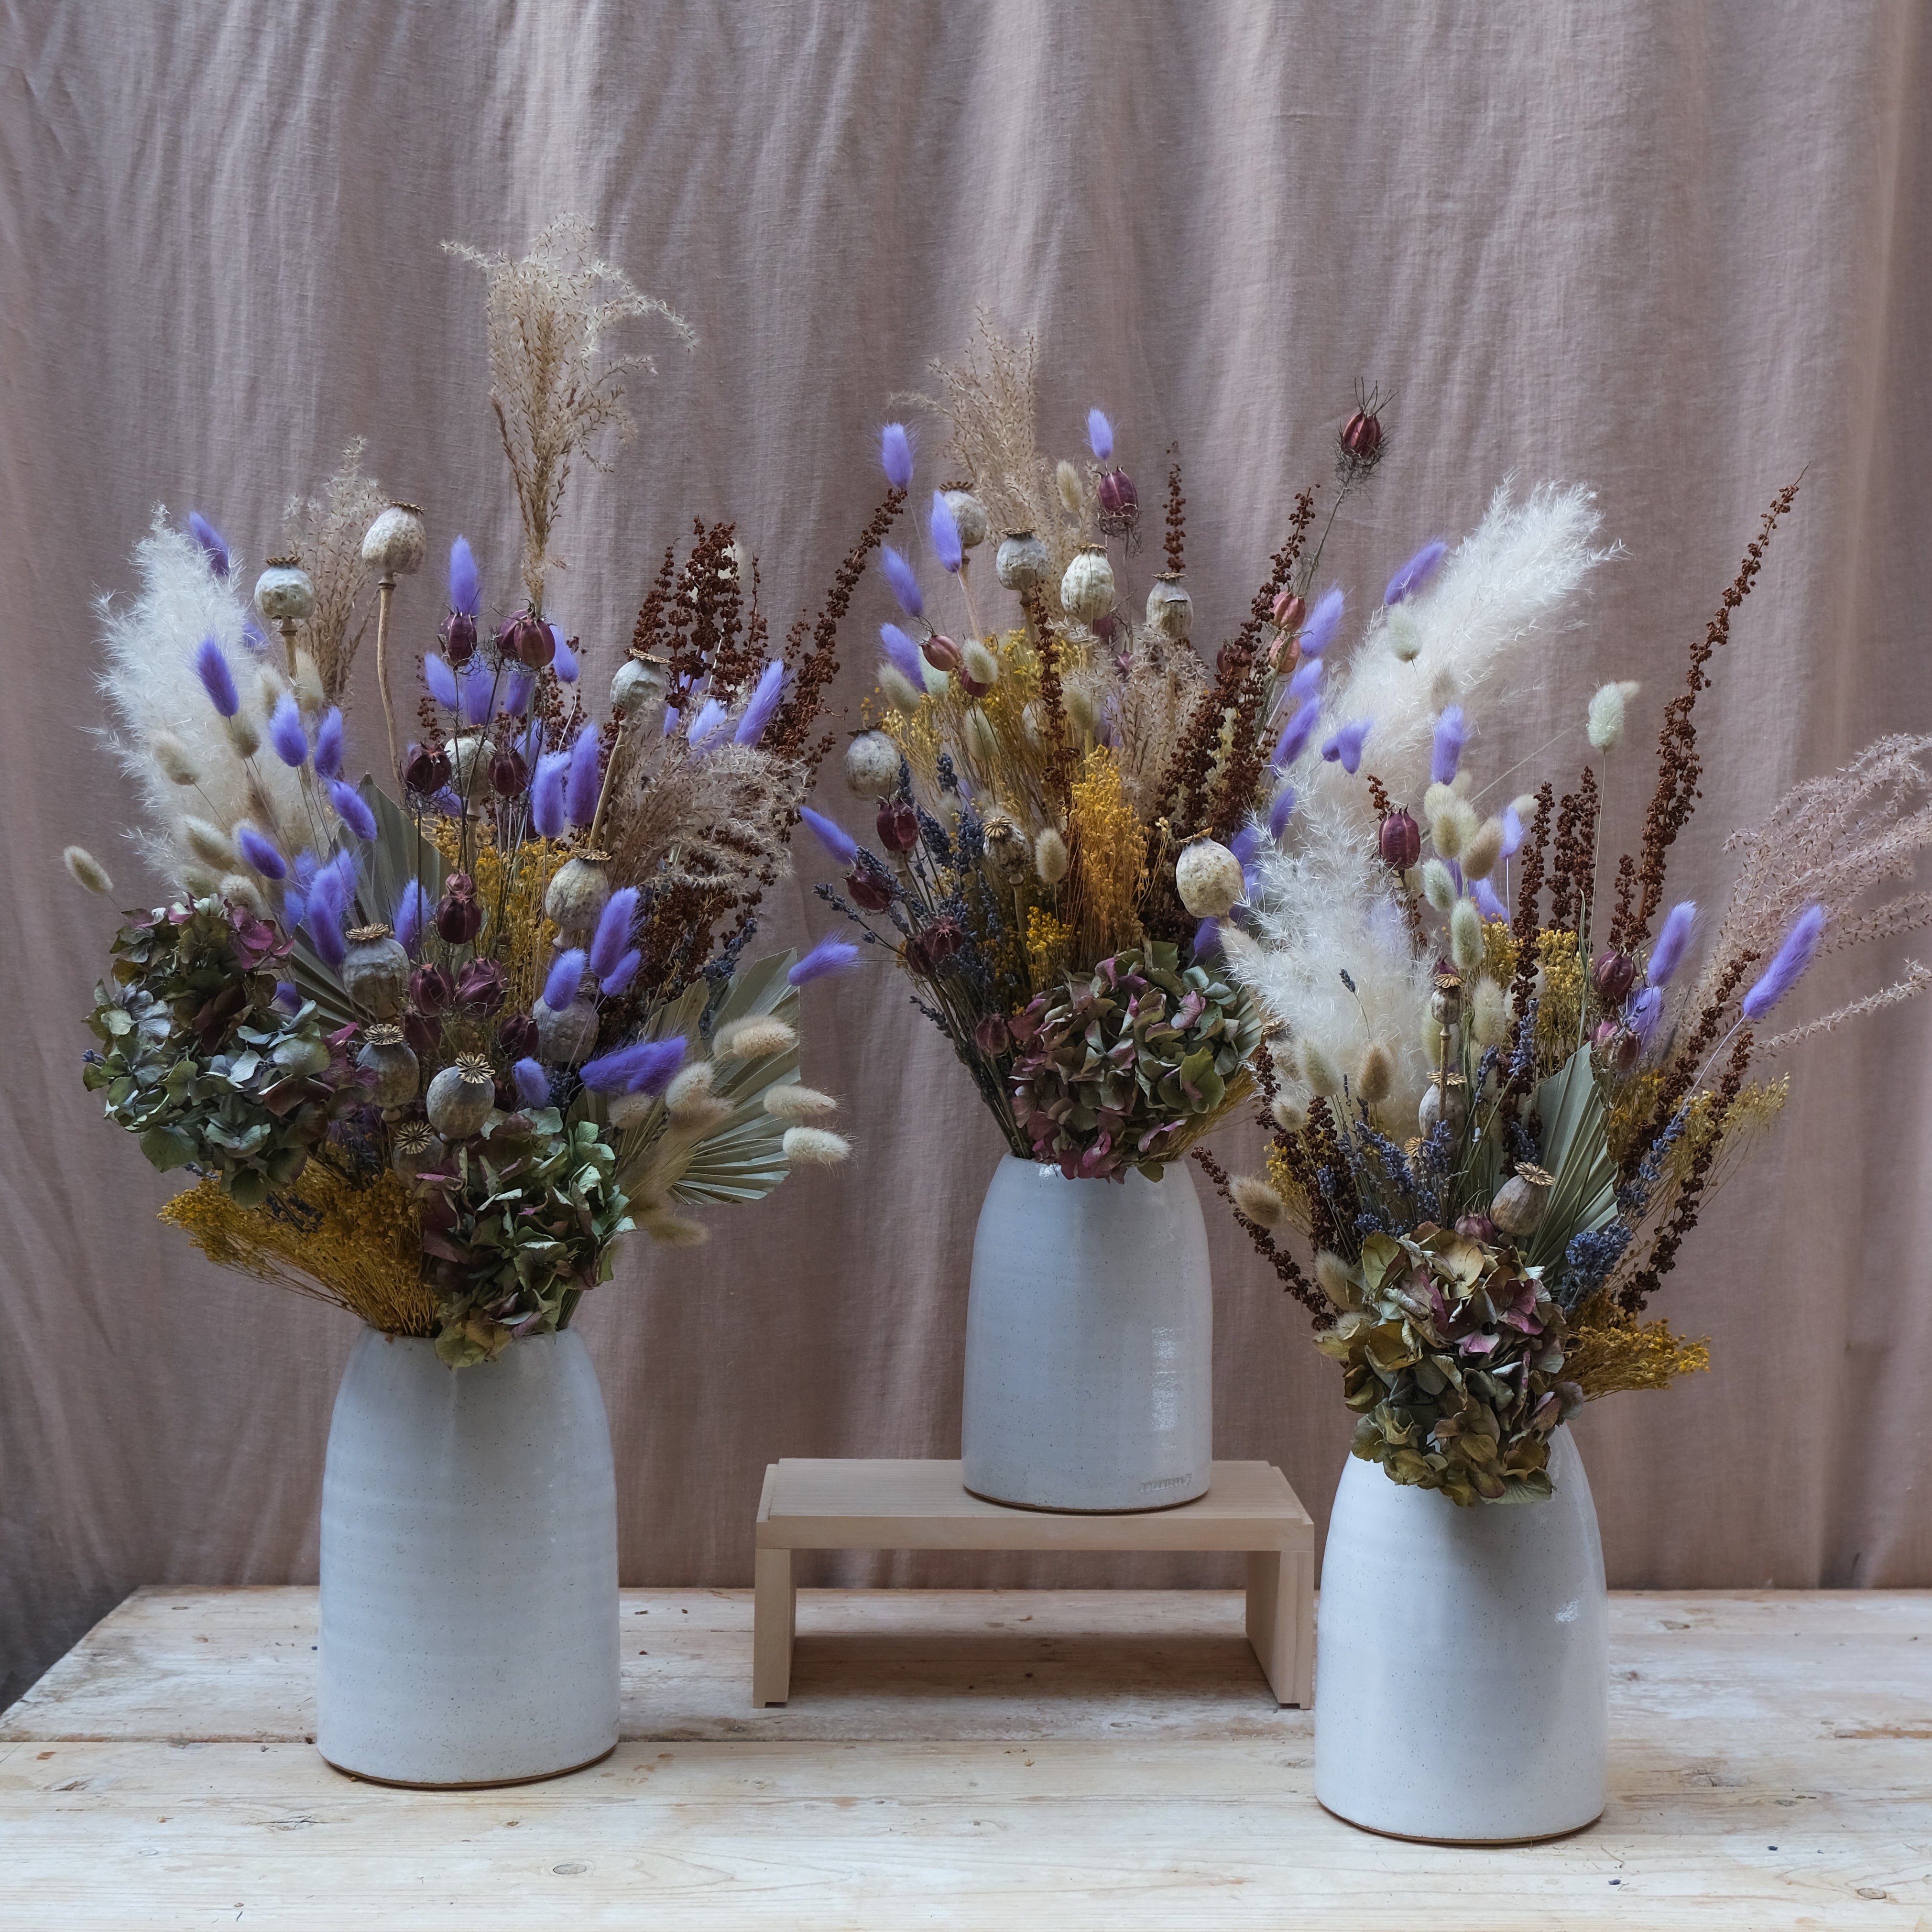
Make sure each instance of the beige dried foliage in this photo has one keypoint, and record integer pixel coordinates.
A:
(552, 387)
(704, 818)
(326, 533)
(1832, 842)
(1156, 699)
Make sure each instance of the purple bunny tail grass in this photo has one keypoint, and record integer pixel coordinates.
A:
(583, 777)
(531, 1083)
(945, 544)
(286, 733)
(465, 585)
(1099, 435)
(214, 547)
(1207, 938)
(1346, 744)
(1673, 940)
(829, 955)
(261, 856)
(532, 743)
(328, 744)
(1788, 967)
(613, 932)
(564, 663)
(352, 809)
(764, 703)
(621, 975)
(1319, 633)
(895, 454)
(547, 807)
(1294, 740)
(1245, 843)
(305, 866)
(566, 975)
(519, 688)
(904, 584)
(325, 932)
(475, 687)
(903, 654)
(705, 725)
(295, 906)
(1645, 1010)
(1306, 682)
(288, 996)
(441, 680)
(1279, 812)
(411, 909)
(335, 882)
(836, 840)
(1452, 734)
(210, 666)
(254, 639)
(645, 1068)
(1487, 903)
(1512, 832)
(1416, 572)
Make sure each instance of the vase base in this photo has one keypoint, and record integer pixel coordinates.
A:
(465, 1784)
(1062, 1509)
(1473, 1844)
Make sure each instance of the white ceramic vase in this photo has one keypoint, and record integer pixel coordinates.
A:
(469, 1566)
(1461, 1667)
(1090, 1342)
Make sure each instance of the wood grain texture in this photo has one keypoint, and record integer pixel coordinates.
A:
(1771, 1767)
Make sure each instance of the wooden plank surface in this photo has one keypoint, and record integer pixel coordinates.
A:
(1771, 1766)
(853, 1503)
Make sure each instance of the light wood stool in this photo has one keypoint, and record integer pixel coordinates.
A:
(851, 1504)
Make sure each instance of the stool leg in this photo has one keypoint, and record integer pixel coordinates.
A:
(1281, 1622)
(774, 1619)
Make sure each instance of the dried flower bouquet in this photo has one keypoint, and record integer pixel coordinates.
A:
(428, 1047)
(1063, 807)
(1495, 1127)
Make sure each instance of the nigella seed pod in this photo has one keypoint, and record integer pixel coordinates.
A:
(942, 653)
(393, 545)
(969, 517)
(481, 985)
(430, 989)
(897, 825)
(1170, 611)
(284, 590)
(509, 774)
(1290, 613)
(386, 1057)
(872, 765)
(1613, 975)
(426, 769)
(1208, 878)
(423, 1032)
(578, 893)
(1021, 563)
(993, 1036)
(461, 1097)
(517, 1036)
(1086, 590)
(1520, 1201)
(1401, 842)
(528, 641)
(1362, 435)
(459, 917)
(1476, 1228)
(459, 637)
(1119, 499)
(565, 1039)
(375, 972)
(868, 889)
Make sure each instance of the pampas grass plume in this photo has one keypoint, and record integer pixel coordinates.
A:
(790, 1101)
(86, 870)
(1257, 1200)
(815, 1146)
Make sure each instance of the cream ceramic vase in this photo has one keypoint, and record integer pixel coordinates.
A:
(469, 1566)
(1461, 1685)
(1090, 1340)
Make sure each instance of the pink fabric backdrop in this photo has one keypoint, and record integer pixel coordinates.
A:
(1678, 252)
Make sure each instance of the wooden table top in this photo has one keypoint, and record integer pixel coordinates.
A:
(1008, 1759)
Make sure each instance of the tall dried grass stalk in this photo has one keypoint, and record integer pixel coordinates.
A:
(326, 533)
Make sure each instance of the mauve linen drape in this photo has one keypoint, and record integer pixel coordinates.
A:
(1677, 251)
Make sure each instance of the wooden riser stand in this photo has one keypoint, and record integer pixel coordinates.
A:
(851, 1504)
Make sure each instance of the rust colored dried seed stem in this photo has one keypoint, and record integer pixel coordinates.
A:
(1176, 510)
(1287, 1270)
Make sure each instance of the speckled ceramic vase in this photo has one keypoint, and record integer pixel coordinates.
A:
(469, 1567)
(1090, 1343)
(1461, 1664)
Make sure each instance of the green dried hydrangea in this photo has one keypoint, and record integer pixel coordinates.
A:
(519, 1227)
(197, 1061)
(1128, 1065)
(1452, 1353)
